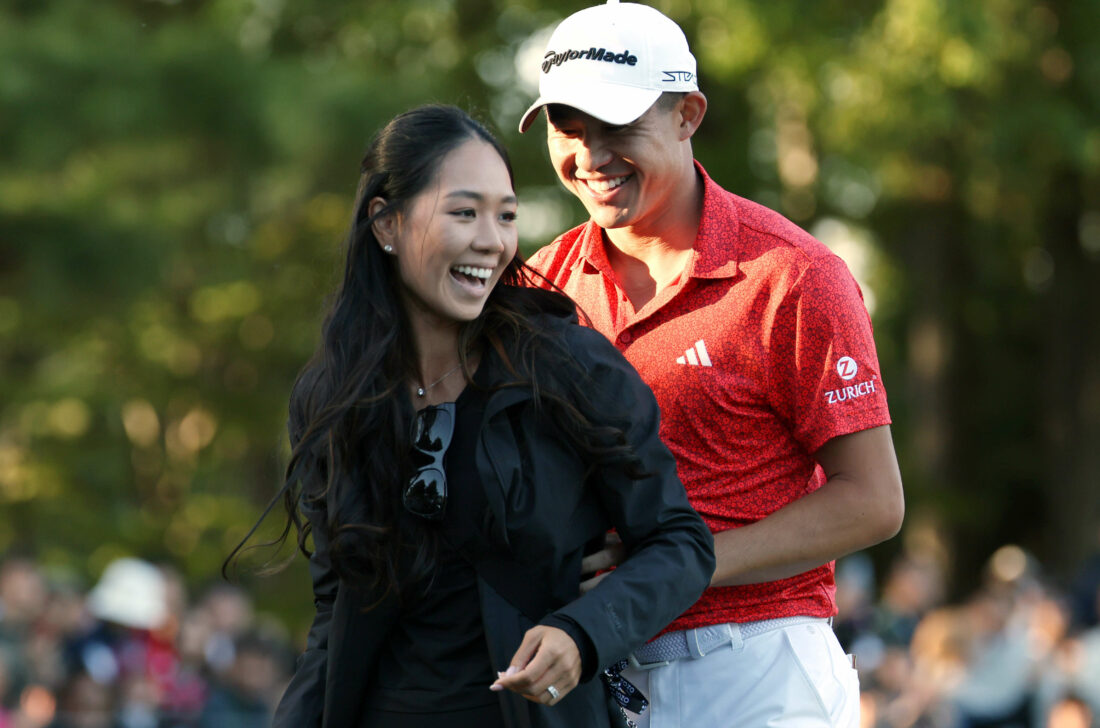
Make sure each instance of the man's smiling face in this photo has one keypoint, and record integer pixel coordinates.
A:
(623, 175)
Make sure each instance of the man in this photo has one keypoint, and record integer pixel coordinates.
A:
(756, 341)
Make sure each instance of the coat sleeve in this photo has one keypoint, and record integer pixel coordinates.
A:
(671, 549)
(302, 705)
(303, 702)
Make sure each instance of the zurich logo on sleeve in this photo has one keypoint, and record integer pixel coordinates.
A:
(847, 369)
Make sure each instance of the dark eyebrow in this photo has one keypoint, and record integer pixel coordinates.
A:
(477, 196)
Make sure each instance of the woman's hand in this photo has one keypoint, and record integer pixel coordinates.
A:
(548, 657)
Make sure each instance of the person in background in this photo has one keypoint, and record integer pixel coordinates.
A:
(242, 697)
(85, 702)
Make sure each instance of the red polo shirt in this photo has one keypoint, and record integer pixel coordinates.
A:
(760, 353)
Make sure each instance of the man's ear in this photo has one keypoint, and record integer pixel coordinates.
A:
(692, 108)
(384, 226)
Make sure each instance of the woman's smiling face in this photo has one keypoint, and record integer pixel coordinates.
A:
(456, 237)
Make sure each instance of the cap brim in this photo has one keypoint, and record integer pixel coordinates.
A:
(610, 103)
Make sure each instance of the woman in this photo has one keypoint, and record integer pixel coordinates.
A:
(458, 440)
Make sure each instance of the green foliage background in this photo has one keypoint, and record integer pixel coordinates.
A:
(176, 179)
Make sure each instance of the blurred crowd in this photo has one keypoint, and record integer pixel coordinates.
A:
(1018, 651)
(135, 651)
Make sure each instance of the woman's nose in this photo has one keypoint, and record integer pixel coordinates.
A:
(490, 236)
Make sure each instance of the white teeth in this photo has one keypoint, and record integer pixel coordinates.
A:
(482, 273)
(604, 185)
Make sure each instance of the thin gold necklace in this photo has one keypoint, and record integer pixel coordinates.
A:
(421, 391)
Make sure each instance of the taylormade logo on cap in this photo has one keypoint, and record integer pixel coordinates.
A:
(592, 54)
(613, 61)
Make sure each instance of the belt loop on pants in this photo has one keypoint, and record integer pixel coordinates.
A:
(702, 640)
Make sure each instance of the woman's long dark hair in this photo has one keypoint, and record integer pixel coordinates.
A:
(351, 414)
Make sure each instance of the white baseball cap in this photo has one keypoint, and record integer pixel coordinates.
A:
(131, 592)
(613, 61)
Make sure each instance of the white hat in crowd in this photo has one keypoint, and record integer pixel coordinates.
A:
(131, 592)
(612, 62)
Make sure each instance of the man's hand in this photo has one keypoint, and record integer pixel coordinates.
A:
(547, 657)
(612, 554)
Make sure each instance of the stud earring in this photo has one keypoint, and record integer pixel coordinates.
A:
(388, 248)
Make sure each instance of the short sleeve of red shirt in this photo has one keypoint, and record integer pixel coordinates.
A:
(824, 372)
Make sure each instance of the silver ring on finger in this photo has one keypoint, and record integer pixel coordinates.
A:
(554, 694)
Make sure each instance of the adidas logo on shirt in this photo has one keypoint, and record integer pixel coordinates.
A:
(695, 356)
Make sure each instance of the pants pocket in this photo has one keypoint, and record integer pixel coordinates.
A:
(828, 673)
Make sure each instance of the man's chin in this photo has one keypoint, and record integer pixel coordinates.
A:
(609, 218)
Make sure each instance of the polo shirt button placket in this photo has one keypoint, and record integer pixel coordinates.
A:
(625, 337)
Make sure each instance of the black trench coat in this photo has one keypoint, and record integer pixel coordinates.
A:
(543, 512)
